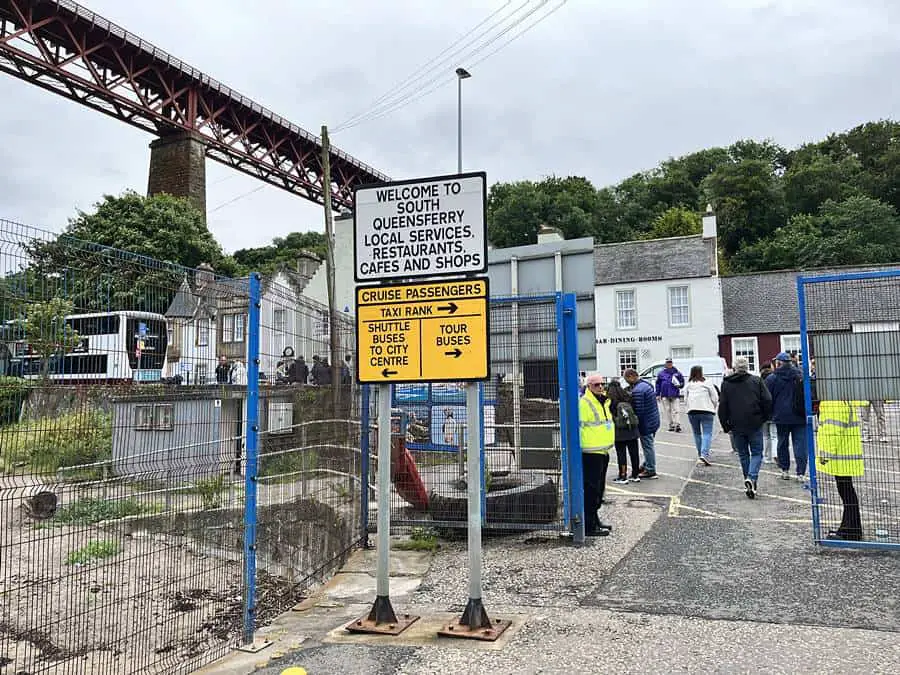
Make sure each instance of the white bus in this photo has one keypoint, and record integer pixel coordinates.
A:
(113, 346)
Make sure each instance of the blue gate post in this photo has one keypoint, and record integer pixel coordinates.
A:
(364, 466)
(252, 466)
(567, 322)
(810, 421)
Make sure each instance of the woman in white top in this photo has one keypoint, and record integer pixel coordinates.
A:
(701, 400)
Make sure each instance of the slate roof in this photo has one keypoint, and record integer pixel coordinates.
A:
(766, 302)
(651, 260)
(184, 304)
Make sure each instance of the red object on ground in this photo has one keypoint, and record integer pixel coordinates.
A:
(405, 476)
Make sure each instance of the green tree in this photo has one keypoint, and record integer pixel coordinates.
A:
(676, 221)
(282, 251)
(46, 331)
(126, 255)
(818, 177)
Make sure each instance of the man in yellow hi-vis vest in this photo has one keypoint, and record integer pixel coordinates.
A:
(598, 436)
(839, 453)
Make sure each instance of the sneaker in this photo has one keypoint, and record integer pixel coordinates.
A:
(705, 460)
(671, 427)
(599, 532)
(785, 475)
(767, 460)
(647, 475)
(678, 428)
(800, 478)
(621, 480)
(635, 479)
(883, 439)
(749, 488)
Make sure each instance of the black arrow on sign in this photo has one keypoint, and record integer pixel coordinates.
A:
(452, 307)
(387, 373)
(456, 353)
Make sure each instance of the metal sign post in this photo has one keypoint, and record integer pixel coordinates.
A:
(382, 618)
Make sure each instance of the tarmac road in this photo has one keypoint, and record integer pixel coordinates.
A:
(695, 578)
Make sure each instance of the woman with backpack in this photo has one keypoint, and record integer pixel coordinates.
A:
(627, 432)
(701, 400)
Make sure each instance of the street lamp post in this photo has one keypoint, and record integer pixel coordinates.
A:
(461, 74)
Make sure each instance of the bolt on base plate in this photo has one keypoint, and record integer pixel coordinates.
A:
(474, 624)
(382, 620)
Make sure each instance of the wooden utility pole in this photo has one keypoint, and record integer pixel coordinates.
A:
(329, 273)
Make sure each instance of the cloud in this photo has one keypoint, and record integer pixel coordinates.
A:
(598, 89)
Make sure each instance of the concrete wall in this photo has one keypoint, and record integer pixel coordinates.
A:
(653, 338)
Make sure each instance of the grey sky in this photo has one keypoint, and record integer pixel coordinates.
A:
(601, 89)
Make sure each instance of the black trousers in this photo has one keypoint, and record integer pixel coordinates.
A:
(594, 467)
(631, 449)
(851, 521)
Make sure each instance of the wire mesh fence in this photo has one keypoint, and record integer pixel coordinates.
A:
(128, 439)
(309, 495)
(851, 325)
(525, 460)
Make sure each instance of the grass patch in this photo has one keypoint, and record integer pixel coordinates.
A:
(90, 511)
(421, 539)
(301, 460)
(69, 440)
(93, 550)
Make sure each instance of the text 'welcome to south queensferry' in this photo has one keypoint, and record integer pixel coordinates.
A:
(427, 228)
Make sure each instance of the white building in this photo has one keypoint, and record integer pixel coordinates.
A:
(344, 283)
(655, 299)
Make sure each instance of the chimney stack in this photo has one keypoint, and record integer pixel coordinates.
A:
(307, 264)
(710, 238)
(205, 275)
(547, 234)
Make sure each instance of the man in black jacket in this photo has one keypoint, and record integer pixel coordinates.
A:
(744, 406)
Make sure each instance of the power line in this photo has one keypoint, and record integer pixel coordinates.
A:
(463, 53)
(374, 115)
(412, 76)
(235, 199)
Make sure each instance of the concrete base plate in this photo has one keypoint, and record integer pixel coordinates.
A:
(456, 629)
(366, 625)
(257, 645)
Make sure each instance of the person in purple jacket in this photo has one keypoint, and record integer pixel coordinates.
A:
(668, 390)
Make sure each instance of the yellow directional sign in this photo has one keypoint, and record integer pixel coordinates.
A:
(427, 332)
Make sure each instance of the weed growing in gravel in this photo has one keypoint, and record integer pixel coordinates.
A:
(69, 440)
(89, 511)
(421, 539)
(93, 550)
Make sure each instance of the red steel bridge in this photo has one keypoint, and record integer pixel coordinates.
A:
(62, 47)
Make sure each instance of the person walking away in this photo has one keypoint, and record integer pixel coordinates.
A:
(701, 400)
(839, 453)
(299, 371)
(643, 400)
(669, 382)
(627, 432)
(875, 408)
(770, 440)
(597, 436)
(790, 422)
(744, 406)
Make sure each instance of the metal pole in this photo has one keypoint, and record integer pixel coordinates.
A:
(252, 449)
(364, 466)
(459, 125)
(384, 495)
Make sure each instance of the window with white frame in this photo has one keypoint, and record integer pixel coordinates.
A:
(201, 373)
(746, 347)
(626, 310)
(279, 326)
(233, 328)
(681, 352)
(160, 417)
(627, 358)
(791, 343)
(679, 306)
(202, 332)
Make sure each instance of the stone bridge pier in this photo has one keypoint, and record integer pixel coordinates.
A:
(178, 167)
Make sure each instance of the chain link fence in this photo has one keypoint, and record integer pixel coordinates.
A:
(851, 329)
(133, 424)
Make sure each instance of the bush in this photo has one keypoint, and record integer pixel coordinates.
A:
(70, 440)
(13, 391)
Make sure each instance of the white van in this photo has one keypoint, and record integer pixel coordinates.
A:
(714, 369)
